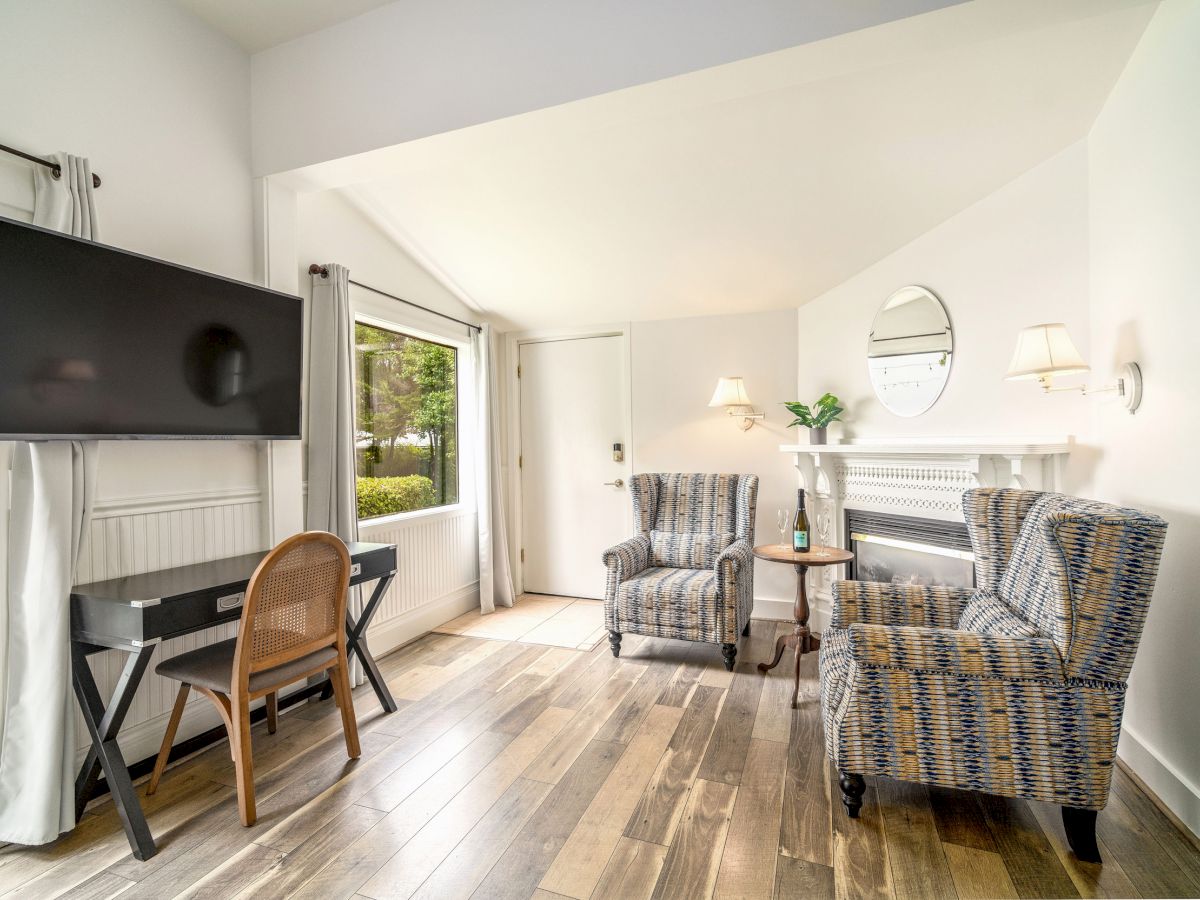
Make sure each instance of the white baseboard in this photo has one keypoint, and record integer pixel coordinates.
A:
(783, 611)
(1173, 788)
(142, 740)
(395, 632)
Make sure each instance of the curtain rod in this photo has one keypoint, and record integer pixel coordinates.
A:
(315, 269)
(50, 164)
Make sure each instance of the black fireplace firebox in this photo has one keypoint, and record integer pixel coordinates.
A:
(898, 549)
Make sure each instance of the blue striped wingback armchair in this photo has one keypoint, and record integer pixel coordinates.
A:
(1016, 687)
(688, 573)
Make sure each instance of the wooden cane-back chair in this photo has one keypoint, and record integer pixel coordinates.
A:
(292, 627)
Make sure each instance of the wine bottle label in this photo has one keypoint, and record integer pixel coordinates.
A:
(799, 540)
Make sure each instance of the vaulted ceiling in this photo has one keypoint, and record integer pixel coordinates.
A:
(749, 186)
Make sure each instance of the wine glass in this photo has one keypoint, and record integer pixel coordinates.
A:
(823, 523)
(782, 517)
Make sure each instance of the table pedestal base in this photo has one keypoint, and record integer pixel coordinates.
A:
(800, 641)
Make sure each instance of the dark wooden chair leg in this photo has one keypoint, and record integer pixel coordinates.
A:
(729, 652)
(1080, 825)
(614, 641)
(746, 630)
(853, 787)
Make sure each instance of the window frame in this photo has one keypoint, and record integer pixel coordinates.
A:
(462, 370)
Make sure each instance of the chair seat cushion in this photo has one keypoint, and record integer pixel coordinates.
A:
(986, 613)
(687, 549)
(211, 667)
(668, 602)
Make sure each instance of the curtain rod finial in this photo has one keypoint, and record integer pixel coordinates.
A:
(315, 269)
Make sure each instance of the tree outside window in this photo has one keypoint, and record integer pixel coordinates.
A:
(406, 440)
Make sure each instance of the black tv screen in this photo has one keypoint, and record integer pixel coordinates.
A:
(97, 342)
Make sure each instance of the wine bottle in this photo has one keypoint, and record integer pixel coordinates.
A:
(800, 525)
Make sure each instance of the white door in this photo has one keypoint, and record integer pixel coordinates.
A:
(574, 496)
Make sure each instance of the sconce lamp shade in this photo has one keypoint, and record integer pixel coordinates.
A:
(730, 392)
(1045, 350)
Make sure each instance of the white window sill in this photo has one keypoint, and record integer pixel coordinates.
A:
(432, 513)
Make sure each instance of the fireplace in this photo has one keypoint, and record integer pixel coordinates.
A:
(899, 549)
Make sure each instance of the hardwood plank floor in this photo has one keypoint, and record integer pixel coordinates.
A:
(518, 770)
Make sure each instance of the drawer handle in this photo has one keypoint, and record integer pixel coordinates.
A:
(355, 569)
(233, 601)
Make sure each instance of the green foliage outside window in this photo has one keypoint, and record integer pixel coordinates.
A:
(407, 422)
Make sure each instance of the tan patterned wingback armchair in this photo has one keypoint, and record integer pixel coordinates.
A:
(1016, 687)
(688, 573)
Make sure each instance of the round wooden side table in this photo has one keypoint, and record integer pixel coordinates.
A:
(800, 640)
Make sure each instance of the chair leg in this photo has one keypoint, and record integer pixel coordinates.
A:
(1080, 825)
(853, 787)
(729, 652)
(164, 751)
(243, 760)
(272, 712)
(614, 641)
(746, 630)
(341, 690)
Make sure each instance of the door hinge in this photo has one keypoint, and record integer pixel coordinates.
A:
(520, 462)
(522, 554)
(518, 370)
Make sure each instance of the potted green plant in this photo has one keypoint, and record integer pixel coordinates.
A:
(817, 418)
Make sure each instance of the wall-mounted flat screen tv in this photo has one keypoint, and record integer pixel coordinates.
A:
(97, 342)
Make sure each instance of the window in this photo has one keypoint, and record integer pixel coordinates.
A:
(406, 433)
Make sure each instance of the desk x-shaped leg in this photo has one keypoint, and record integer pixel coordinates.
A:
(356, 643)
(103, 725)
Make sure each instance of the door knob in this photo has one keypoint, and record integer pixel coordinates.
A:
(618, 483)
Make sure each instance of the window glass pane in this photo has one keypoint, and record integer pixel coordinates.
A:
(406, 433)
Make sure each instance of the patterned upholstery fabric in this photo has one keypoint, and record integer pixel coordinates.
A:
(689, 571)
(687, 549)
(1023, 694)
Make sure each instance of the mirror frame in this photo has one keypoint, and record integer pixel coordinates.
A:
(950, 367)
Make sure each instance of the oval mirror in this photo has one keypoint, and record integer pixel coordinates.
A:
(909, 351)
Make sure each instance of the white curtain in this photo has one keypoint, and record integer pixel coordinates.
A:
(330, 447)
(495, 573)
(53, 485)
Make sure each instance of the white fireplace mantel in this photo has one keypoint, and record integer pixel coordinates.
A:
(915, 476)
(927, 476)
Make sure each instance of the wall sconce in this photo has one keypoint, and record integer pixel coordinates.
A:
(731, 394)
(1044, 351)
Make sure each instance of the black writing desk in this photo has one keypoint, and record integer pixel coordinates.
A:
(136, 613)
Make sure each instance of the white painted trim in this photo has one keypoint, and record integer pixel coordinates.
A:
(1172, 787)
(112, 507)
(142, 740)
(773, 609)
(936, 446)
(512, 425)
(416, 516)
(385, 637)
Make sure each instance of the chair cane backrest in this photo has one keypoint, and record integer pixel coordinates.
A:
(295, 603)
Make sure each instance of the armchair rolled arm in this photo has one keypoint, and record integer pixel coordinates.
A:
(876, 603)
(949, 652)
(738, 554)
(629, 557)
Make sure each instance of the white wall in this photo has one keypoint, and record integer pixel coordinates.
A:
(438, 549)
(675, 365)
(1145, 268)
(412, 69)
(160, 104)
(1015, 258)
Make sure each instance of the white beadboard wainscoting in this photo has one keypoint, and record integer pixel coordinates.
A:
(132, 535)
(438, 580)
